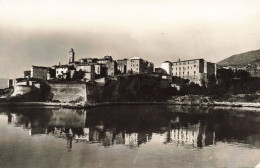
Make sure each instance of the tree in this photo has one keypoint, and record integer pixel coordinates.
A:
(242, 74)
(225, 77)
(212, 81)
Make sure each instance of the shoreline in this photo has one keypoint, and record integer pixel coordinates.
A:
(91, 105)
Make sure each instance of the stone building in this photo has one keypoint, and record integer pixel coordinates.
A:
(111, 65)
(121, 66)
(64, 71)
(102, 66)
(104, 60)
(39, 72)
(196, 70)
(111, 68)
(88, 69)
(88, 60)
(51, 73)
(100, 70)
(137, 65)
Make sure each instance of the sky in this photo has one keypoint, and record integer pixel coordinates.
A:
(42, 32)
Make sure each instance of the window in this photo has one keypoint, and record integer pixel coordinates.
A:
(194, 65)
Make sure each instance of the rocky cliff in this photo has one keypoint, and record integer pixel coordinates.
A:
(130, 88)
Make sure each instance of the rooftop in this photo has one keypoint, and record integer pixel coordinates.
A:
(167, 62)
(63, 66)
(136, 58)
(39, 67)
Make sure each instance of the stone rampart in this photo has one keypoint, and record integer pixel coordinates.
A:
(67, 92)
(21, 90)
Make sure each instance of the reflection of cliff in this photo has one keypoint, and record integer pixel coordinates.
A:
(132, 88)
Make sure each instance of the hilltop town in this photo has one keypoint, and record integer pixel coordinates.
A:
(91, 69)
(131, 79)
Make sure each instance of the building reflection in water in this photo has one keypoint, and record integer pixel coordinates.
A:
(133, 129)
(196, 135)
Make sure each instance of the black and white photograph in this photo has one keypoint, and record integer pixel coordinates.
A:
(130, 84)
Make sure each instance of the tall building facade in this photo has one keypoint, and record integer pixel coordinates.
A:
(39, 72)
(196, 70)
(137, 65)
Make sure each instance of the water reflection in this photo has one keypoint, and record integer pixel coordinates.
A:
(133, 126)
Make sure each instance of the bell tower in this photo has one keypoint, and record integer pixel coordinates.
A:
(71, 56)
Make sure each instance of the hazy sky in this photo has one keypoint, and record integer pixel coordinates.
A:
(41, 32)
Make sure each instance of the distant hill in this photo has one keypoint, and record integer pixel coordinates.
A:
(3, 83)
(251, 57)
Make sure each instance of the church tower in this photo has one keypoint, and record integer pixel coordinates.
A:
(71, 56)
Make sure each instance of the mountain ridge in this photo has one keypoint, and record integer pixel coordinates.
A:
(250, 57)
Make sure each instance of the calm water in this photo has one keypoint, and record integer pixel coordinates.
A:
(129, 136)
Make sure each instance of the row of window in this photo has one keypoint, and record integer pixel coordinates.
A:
(194, 77)
(136, 69)
(184, 63)
(185, 67)
(133, 65)
(183, 73)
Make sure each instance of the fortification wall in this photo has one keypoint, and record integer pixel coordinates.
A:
(67, 92)
(21, 90)
(122, 89)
